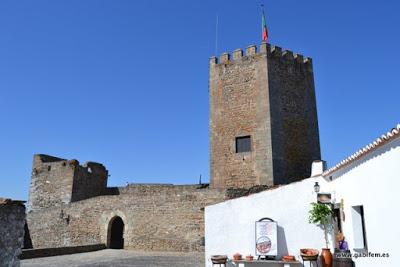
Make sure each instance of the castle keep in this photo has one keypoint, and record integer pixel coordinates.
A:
(263, 132)
(263, 118)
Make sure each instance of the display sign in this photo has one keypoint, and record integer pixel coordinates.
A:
(324, 198)
(266, 238)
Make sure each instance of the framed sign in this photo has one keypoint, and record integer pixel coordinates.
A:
(324, 198)
(266, 238)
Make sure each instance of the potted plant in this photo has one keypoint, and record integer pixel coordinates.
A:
(320, 214)
(237, 256)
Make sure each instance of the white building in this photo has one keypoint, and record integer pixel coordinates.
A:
(366, 183)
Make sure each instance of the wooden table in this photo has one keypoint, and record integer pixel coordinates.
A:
(265, 263)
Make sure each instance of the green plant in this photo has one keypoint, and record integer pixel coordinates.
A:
(320, 214)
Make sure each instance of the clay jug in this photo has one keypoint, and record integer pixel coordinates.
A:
(326, 257)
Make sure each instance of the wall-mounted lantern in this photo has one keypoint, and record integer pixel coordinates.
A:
(316, 187)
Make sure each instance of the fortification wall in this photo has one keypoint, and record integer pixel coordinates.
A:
(51, 182)
(56, 181)
(12, 221)
(156, 217)
(90, 180)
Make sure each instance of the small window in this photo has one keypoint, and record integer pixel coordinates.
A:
(360, 237)
(243, 144)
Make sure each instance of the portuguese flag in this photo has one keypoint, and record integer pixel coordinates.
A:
(264, 28)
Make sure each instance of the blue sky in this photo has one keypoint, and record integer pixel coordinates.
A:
(125, 83)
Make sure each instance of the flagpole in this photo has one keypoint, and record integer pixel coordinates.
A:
(262, 10)
(263, 16)
(216, 36)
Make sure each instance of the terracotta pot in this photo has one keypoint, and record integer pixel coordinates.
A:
(326, 257)
(249, 258)
(309, 254)
(237, 257)
(288, 258)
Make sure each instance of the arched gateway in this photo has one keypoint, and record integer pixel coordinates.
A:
(115, 233)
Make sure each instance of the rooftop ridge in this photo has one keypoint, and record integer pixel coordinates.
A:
(383, 139)
(11, 202)
(253, 50)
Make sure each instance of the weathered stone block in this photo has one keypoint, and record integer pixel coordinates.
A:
(12, 221)
(270, 97)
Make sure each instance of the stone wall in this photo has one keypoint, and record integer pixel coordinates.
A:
(56, 181)
(295, 135)
(156, 217)
(50, 252)
(240, 107)
(90, 180)
(51, 182)
(268, 95)
(12, 221)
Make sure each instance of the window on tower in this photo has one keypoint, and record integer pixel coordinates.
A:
(243, 144)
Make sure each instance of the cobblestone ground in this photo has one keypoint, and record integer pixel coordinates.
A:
(119, 258)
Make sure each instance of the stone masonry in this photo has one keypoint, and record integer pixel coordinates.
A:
(57, 181)
(156, 216)
(267, 96)
(12, 221)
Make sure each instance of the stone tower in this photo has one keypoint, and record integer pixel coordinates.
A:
(263, 118)
(56, 182)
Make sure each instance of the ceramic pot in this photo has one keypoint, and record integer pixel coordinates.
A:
(288, 258)
(237, 257)
(249, 258)
(326, 257)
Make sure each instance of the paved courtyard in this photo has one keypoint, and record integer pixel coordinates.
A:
(119, 258)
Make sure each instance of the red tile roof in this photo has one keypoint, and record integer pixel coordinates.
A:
(385, 138)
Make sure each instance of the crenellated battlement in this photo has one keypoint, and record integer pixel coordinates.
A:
(265, 95)
(263, 49)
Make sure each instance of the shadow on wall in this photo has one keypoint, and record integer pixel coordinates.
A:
(283, 248)
(111, 191)
(27, 238)
(282, 244)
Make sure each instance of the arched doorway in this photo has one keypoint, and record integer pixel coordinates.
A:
(115, 237)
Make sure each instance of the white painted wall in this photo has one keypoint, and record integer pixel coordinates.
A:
(229, 226)
(372, 181)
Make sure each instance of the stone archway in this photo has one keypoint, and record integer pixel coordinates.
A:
(115, 233)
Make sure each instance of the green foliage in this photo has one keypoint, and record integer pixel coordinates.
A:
(319, 214)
